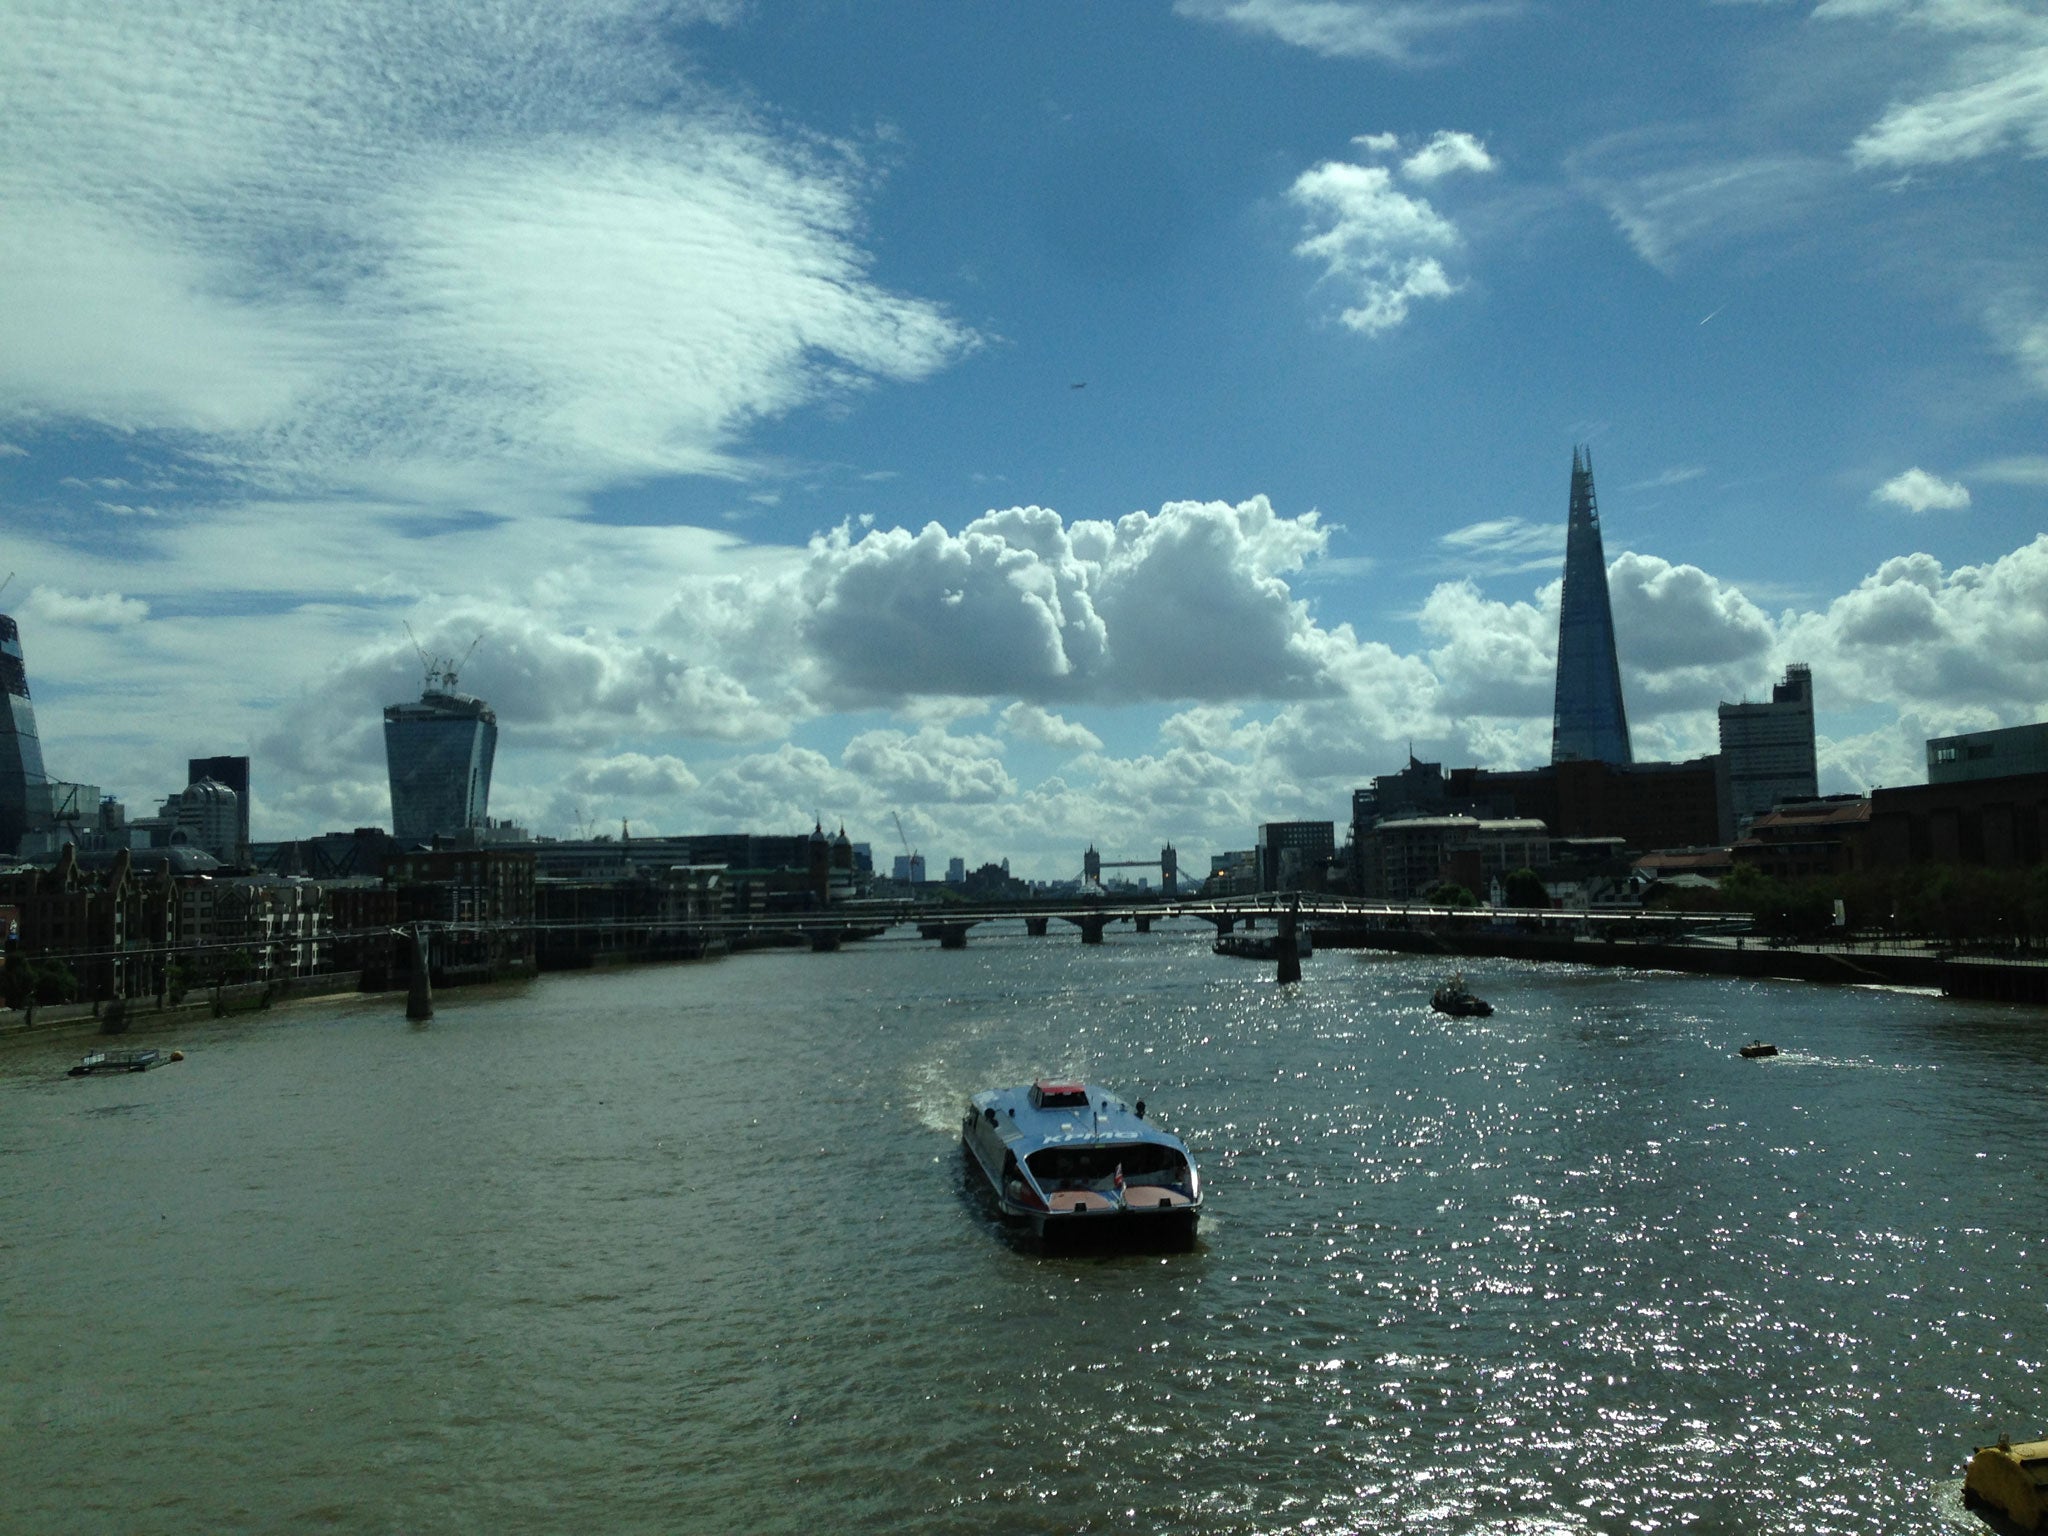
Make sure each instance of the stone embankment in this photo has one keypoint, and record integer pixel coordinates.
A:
(1840, 964)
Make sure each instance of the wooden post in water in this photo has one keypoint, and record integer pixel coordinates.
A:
(419, 995)
(1288, 950)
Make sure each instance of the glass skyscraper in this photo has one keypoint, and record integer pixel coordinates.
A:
(1590, 723)
(25, 804)
(439, 752)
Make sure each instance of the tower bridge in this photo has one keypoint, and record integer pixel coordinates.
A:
(1168, 865)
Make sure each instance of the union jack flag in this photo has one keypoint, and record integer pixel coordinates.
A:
(1117, 1181)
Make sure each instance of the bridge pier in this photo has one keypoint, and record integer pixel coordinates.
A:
(1035, 926)
(1091, 927)
(1144, 922)
(1289, 950)
(419, 991)
(949, 935)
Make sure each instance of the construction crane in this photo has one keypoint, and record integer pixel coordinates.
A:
(442, 670)
(909, 858)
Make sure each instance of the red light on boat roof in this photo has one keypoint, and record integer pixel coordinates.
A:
(1059, 1095)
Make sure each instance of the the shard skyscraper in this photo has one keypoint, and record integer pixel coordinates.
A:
(1589, 722)
(25, 804)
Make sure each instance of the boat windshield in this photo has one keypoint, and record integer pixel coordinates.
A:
(1057, 1167)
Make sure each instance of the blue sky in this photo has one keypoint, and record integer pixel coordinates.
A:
(1050, 424)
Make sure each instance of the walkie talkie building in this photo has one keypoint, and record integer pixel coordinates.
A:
(1589, 723)
(24, 787)
(439, 753)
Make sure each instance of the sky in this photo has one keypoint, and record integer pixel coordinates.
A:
(1042, 425)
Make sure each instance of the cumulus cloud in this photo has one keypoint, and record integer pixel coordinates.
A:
(1971, 643)
(1028, 722)
(1394, 30)
(932, 765)
(434, 249)
(1918, 491)
(633, 774)
(1020, 602)
(1382, 247)
(1446, 154)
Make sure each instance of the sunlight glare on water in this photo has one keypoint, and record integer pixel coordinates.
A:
(692, 1248)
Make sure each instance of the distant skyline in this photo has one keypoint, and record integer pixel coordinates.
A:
(1051, 425)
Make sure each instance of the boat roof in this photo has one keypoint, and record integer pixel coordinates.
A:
(1068, 1114)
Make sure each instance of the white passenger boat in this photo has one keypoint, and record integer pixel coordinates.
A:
(1074, 1162)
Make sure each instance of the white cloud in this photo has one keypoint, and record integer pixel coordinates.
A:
(1969, 645)
(632, 773)
(1918, 491)
(1028, 722)
(1393, 30)
(1991, 60)
(98, 609)
(1504, 545)
(2020, 469)
(932, 765)
(1445, 155)
(1021, 603)
(1675, 194)
(1378, 245)
(412, 247)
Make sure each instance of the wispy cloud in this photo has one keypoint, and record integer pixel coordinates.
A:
(1991, 64)
(1678, 475)
(2024, 469)
(1396, 31)
(442, 250)
(1503, 546)
(1676, 193)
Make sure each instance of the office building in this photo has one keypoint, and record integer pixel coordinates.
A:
(1767, 754)
(234, 773)
(439, 752)
(1987, 754)
(24, 786)
(1293, 855)
(1589, 723)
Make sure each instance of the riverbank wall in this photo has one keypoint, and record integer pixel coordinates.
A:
(1840, 966)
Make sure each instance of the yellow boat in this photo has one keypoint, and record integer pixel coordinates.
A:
(2012, 1479)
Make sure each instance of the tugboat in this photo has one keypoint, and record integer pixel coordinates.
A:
(1757, 1048)
(1456, 999)
(1076, 1164)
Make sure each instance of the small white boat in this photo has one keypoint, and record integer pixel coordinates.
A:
(1075, 1163)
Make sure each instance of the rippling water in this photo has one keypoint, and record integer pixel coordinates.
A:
(691, 1249)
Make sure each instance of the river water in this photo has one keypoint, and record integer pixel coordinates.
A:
(691, 1249)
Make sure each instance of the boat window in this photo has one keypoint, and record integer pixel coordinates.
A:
(1056, 1166)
